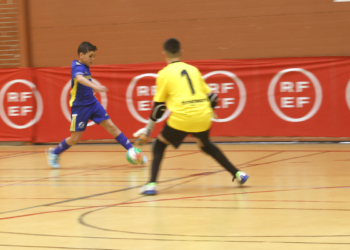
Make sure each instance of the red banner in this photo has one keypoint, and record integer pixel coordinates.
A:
(259, 97)
(20, 105)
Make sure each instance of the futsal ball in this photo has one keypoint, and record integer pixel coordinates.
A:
(134, 156)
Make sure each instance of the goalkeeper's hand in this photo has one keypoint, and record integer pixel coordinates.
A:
(141, 136)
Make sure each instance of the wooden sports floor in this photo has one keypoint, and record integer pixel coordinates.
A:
(297, 197)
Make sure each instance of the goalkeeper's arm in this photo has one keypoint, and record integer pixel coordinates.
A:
(157, 112)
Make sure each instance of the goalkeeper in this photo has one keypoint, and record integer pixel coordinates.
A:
(181, 88)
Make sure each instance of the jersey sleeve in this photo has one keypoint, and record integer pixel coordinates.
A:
(204, 85)
(162, 91)
(78, 70)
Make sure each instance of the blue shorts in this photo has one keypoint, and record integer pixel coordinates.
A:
(82, 114)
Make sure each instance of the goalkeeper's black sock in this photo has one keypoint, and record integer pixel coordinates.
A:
(158, 151)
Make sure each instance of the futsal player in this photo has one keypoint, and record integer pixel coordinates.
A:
(85, 106)
(181, 89)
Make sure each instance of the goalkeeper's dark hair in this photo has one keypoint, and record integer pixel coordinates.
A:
(172, 47)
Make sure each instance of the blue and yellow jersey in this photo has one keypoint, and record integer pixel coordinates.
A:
(80, 94)
(183, 89)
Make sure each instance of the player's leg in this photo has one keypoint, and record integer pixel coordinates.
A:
(116, 133)
(209, 148)
(166, 137)
(101, 117)
(80, 117)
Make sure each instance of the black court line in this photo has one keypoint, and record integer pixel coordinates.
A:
(17, 155)
(115, 191)
(81, 219)
(50, 247)
(173, 240)
(233, 236)
(84, 172)
(230, 208)
(99, 194)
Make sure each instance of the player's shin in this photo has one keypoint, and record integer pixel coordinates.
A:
(123, 141)
(158, 152)
(63, 146)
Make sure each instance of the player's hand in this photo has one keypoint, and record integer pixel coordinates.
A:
(100, 88)
(141, 136)
(215, 115)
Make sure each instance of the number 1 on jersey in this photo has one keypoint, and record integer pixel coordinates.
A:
(184, 73)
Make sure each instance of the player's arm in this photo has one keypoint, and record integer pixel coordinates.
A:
(82, 80)
(143, 133)
(213, 98)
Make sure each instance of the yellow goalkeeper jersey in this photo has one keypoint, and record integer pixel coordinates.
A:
(184, 91)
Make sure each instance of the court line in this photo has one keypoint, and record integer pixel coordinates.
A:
(87, 171)
(291, 201)
(99, 194)
(246, 200)
(9, 154)
(79, 198)
(50, 247)
(192, 150)
(239, 208)
(181, 240)
(298, 242)
(147, 239)
(125, 203)
(17, 155)
(81, 218)
(259, 164)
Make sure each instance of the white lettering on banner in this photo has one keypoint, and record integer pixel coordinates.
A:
(287, 102)
(142, 91)
(12, 97)
(141, 105)
(301, 86)
(25, 110)
(20, 110)
(153, 90)
(294, 102)
(301, 101)
(225, 102)
(144, 105)
(13, 111)
(64, 105)
(287, 87)
(226, 86)
(215, 87)
(145, 90)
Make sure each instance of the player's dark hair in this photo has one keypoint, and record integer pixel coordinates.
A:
(172, 47)
(86, 47)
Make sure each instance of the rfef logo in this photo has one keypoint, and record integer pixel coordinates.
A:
(18, 109)
(231, 92)
(139, 96)
(295, 95)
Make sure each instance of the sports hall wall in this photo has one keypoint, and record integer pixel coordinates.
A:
(281, 68)
(132, 31)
